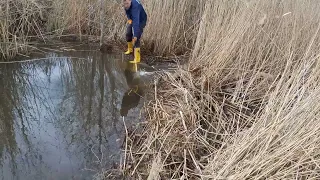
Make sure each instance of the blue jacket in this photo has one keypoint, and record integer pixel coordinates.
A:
(138, 16)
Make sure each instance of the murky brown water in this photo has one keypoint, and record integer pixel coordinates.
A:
(61, 117)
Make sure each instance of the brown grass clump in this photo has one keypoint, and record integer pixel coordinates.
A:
(246, 105)
(18, 20)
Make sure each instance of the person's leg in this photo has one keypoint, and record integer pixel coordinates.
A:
(129, 35)
(137, 44)
(137, 54)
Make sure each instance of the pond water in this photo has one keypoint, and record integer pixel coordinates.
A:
(62, 116)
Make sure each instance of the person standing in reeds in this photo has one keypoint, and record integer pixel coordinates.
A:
(137, 20)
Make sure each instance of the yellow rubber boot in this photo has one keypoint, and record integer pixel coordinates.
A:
(130, 48)
(137, 56)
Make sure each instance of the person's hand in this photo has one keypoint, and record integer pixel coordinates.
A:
(129, 21)
(134, 40)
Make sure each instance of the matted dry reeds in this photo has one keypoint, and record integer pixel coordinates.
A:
(246, 106)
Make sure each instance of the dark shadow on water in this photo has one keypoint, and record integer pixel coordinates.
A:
(62, 117)
(131, 97)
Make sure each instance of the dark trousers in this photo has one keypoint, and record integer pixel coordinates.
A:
(129, 35)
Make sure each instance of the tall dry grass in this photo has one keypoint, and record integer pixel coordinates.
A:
(30, 20)
(172, 25)
(246, 105)
(171, 29)
(18, 20)
(83, 18)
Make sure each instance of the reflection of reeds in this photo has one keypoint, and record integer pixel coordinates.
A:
(7, 140)
(21, 103)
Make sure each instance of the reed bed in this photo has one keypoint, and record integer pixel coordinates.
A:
(245, 106)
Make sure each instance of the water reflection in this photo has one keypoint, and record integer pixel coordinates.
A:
(61, 118)
(132, 96)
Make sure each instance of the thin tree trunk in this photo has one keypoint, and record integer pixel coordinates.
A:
(102, 16)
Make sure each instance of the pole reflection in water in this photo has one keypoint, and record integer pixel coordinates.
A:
(61, 118)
